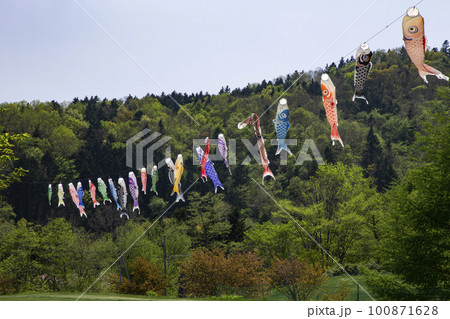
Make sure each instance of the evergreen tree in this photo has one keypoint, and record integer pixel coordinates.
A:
(378, 163)
(372, 154)
(93, 112)
(208, 220)
(416, 243)
(279, 80)
(238, 226)
(446, 48)
(385, 172)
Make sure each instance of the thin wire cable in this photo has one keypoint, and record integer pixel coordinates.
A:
(130, 55)
(124, 172)
(387, 26)
(137, 239)
(312, 238)
(113, 39)
(320, 56)
(372, 37)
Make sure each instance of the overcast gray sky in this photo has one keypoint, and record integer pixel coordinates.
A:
(51, 50)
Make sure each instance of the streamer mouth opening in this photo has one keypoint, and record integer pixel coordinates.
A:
(364, 46)
(412, 12)
(283, 101)
(325, 77)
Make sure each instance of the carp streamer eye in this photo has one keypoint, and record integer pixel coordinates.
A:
(325, 92)
(413, 29)
(365, 58)
(283, 115)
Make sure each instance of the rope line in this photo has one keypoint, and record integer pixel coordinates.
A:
(313, 239)
(387, 26)
(320, 56)
(137, 239)
(317, 59)
(273, 103)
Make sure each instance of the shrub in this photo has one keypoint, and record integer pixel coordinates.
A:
(295, 279)
(145, 277)
(7, 285)
(204, 269)
(151, 293)
(342, 294)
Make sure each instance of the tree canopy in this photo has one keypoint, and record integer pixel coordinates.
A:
(379, 205)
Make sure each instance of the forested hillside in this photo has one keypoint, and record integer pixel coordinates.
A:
(380, 206)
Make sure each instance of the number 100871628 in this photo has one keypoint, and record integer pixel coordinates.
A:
(403, 310)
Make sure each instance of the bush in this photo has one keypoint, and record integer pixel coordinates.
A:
(151, 293)
(204, 269)
(145, 277)
(340, 295)
(7, 285)
(295, 279)
(126, 287)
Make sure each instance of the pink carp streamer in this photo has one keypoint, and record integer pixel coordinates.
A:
(254, 120)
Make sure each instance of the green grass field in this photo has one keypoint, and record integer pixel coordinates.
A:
(332, 284)
(72, 296)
